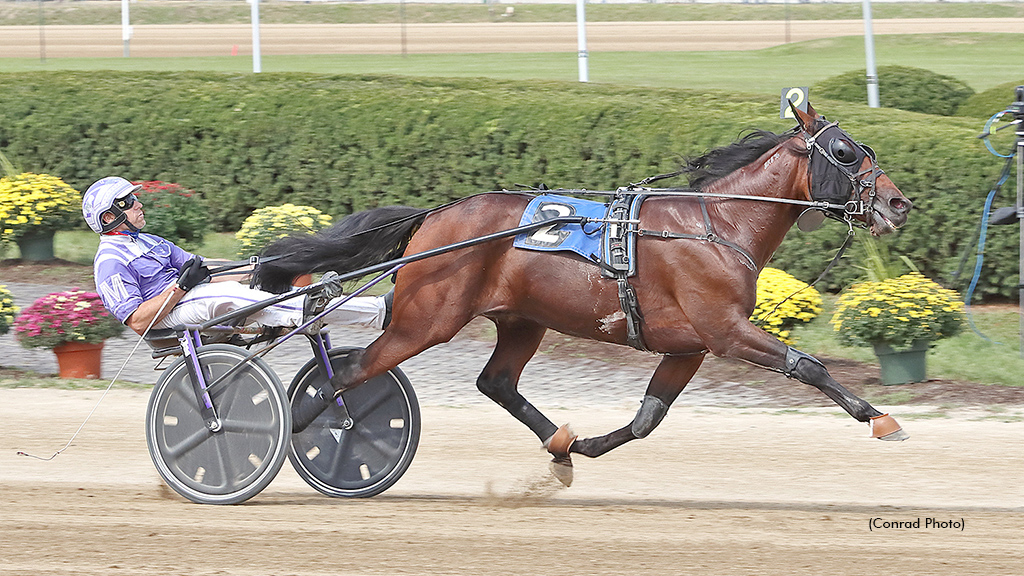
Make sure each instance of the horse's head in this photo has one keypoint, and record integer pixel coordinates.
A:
(844, 172)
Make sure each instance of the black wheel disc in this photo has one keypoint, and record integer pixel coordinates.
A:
(366, 453)
(236, 462)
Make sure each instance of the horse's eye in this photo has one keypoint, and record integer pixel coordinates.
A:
(842, 151)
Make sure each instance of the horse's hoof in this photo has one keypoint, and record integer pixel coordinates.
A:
(560, 442)
(562, 469)
(897, 436)
(885, 427)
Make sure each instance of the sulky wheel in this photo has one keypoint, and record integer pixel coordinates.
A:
(367, 452)
(240, 459)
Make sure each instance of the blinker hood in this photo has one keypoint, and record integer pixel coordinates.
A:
(835, 160)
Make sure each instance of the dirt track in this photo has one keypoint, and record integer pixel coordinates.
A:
(216, 40)
(713, 491)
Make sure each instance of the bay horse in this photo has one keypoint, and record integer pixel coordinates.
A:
(695, 296)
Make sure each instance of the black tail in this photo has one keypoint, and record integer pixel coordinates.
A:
(357, 241)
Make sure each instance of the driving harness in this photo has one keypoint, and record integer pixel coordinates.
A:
(618, 253)
(836, 190)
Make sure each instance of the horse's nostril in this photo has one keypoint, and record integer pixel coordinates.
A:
(900, 205)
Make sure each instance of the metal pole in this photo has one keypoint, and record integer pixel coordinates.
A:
(42, 35)
(786, 4)
(1020, 217)
(869, 50)
(126, 29)
(581, 39)
(401, 10)
(257, 62)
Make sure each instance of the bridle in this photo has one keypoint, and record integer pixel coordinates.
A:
(842, 156)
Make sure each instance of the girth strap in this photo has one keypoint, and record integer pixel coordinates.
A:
(708, 236)
(631, 308)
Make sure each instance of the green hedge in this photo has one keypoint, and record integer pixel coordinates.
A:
(985, 104)
(347, 143)
(903, 87)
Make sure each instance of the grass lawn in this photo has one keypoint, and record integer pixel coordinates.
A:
(15, 378)
(80, 246)
(980, 60)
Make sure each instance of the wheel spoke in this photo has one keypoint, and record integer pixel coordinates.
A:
(340, 457)
(241, 426)
(382, 395)
(215, 389)
(372, 439)
(191, 442)
(224, 461)
(225, 396)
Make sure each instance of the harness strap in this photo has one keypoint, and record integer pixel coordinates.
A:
(631, 308)
(617, 261)
(708, 236)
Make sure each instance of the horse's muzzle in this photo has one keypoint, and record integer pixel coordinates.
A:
(890, 215)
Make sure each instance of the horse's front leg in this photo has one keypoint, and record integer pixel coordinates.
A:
(672, 375)
(754, 345)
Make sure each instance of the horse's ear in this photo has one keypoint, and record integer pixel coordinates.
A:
(805, 119)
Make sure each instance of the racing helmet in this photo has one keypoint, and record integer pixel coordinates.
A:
(102, 197)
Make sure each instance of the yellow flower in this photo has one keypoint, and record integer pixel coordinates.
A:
(273, 222)
(31, 202)
(782, 301)
(897, 311)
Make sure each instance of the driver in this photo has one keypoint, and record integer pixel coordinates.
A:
(136, 273)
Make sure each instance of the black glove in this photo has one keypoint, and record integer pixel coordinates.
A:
(193, 273)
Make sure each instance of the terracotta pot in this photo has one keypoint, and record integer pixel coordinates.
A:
(79, 360)
(303, 280)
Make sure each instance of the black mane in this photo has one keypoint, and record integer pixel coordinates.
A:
(723, 161)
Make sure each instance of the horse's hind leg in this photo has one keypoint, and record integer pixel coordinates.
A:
(408, 334)
(518, 341)
(672, 375)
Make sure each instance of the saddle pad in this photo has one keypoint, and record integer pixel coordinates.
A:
(583, 240)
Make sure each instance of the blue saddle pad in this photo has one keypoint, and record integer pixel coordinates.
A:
(584, 240)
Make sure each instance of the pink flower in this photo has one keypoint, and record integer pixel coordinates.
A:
(75, 315)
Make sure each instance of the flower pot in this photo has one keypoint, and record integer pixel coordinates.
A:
(79, 360)
(902, 366)
(303, 280)
(37, 247)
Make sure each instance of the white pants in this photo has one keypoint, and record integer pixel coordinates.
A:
(208, 301)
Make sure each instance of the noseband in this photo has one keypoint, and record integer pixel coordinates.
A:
(842, 153)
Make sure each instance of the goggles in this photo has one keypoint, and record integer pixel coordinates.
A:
(125, 202)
